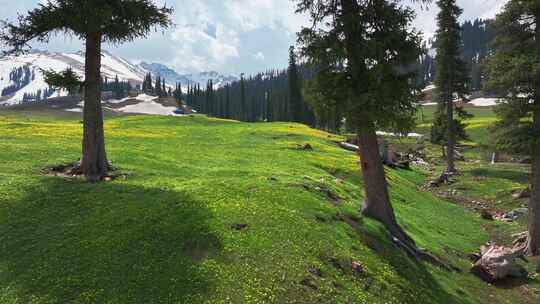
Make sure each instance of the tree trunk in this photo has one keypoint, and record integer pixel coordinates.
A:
(94, 158)
(377, 200)
(451, 146)
(533, 247)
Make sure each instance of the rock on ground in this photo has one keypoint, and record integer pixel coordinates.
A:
(498, 262)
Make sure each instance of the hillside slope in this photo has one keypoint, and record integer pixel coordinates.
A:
(216, 211)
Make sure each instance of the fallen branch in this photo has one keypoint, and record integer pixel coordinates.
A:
(420, 254)
(348, 146)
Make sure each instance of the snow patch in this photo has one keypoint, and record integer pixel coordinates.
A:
(148, 106)
(414, 135)
(75, 110)
(117, 101)
(484, 102)
(429, 88)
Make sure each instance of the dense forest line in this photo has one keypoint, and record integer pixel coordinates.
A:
(279, 95)
(275, 95)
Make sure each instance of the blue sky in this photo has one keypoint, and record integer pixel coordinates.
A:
(228, 36)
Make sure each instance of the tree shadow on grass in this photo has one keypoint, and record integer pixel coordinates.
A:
(66, 241)
(415, 273)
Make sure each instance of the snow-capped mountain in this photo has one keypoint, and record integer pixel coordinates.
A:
(218, 80)
(21, 76)
(170, 75)
(202, 78)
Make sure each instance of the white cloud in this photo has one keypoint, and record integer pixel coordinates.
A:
(275, 14)
(258, 56)
(227, 35)
(472, 9)
(196, 50)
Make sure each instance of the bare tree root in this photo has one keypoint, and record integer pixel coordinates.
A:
(406, 244)
(444, 178)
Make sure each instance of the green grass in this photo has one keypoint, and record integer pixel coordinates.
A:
(163, 234)
(477, 126)
(480, 180)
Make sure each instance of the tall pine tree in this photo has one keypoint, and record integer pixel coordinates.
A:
(360, 48)
(295, 91)
(514, 71)
(452, 80)
(243, 104)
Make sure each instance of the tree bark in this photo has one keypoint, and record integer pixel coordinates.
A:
(94, 158)
(451, 146)
(533, 247)
(377, 203)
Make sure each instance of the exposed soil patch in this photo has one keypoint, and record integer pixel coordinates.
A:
(332, 196)
(74, 170)
(303, 147)
(239, 226)
(345, 265)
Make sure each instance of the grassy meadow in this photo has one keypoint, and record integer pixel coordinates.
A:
(217, 211)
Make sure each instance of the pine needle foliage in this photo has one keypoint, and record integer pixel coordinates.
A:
(118, 21)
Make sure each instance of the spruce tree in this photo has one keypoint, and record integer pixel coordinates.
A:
(163, 88)
(514, 71)
(157, 86)
(228, 111)
(295, 92)
(67, 80)
(360, 48)
(94, 21)
(117, 90)
(243, 105)
(452, 80)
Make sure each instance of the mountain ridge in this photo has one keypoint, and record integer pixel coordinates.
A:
(21, 76)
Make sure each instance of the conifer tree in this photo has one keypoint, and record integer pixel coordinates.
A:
(144, 87)
(117, 90)
(514, 71)
(228, 112)
(163, 88)
(361, 49)
(295, 92)
(177, 93)
(67, 80)
(94, 21)
(452, 80)
(243, 106)
(157, 86)
(147, 84)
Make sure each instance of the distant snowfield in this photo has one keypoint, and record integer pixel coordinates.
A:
(484, 102)
(477, 102)
(76, 110)
(147, 105)
(382, 133)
